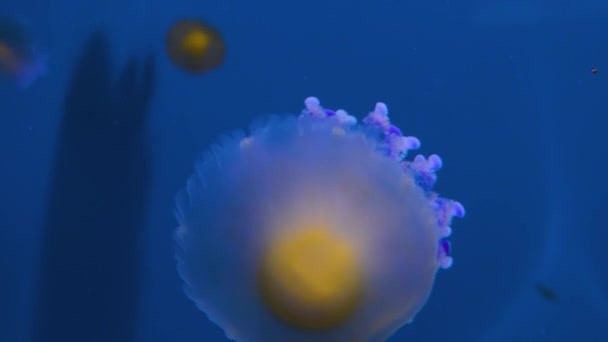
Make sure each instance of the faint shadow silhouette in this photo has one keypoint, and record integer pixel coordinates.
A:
(88, 286)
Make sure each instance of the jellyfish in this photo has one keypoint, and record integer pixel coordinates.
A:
(314, 227)
(20, 60)
(195, 46)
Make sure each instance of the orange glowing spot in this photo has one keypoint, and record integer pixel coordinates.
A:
(195, 46)
(4, 50)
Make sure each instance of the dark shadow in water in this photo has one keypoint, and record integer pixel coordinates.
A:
(88, 286)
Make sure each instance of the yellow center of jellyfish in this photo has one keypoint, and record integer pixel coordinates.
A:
(311, 279)
(196, 43)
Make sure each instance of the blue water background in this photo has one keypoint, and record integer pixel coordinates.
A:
(502, 90)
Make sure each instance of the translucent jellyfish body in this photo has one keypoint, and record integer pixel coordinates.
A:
(195, 46)
(314, 228)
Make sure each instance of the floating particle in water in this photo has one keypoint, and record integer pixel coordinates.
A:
(546, 292)
(594, 70)
(314, 228)
(195, 46)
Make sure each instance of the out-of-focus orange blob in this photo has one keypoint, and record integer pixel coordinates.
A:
(195, 46)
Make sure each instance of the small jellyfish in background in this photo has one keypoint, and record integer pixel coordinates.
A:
(20, 60)
(314, 228)
(195, 46)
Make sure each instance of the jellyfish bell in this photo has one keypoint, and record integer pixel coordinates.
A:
(314, 228)
(20, 59)
(195, 46)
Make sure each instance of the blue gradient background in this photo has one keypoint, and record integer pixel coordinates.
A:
(502, 90)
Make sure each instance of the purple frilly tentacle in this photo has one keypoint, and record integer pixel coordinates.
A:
(313, 109)
(396, 146)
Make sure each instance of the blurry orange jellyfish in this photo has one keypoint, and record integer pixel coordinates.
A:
(195, 46)
(20, 59)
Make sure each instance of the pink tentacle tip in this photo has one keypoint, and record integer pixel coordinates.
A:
(381, 109)
(313, 107)
(412, 143)
(378, 117)
(458, 209)
(312, 102)
(443, 254)
(421, 164)
(445, 231)
(344, 118)
(434, 162)
(446, 262)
